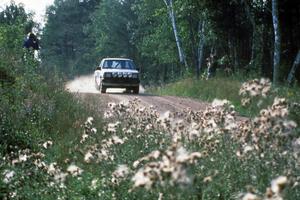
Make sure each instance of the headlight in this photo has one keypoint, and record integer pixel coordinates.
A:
(107, 75)
(135, 75)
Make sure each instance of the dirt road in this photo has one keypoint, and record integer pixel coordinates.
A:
(84, 87)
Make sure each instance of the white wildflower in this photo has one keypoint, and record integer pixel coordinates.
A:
(60, 177)
(195, 155)
(84, 137)
(179, 175)
(23, 158)
(141, 180)
(193, 134)
(8, 175)
(111, 105)
(74, 170)
(88, 157)
(136, 163)
(94, 130)
(94, 184)
(108, 114)
(154, 154)
(121, 172)
(182, 155)
(160, 197)
(90, 120)
(47, 144)
(117, 140)
(278, 184)
(52, 168)
(219, 103)
(248, 148)
(250, 196)
(111, 127)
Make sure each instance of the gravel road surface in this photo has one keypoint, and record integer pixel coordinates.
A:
(84, 87)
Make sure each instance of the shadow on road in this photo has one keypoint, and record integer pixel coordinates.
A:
(128, 94)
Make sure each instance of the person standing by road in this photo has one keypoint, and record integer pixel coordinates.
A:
(31, 42)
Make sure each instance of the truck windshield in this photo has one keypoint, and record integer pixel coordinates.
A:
(118, 64)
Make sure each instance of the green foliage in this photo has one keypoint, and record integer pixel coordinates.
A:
(206, 90)
(67, 44)
(32, 110)
(112, 28)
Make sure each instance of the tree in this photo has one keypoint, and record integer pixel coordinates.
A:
(202, 36)
(241, 33)
(15, 23)
(170, 8)
(111, 28)
(65, 42)
(294, 69)
(277, 41)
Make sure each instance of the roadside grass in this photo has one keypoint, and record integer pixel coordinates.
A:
(221, 87)
(35, 113)
(205, 90)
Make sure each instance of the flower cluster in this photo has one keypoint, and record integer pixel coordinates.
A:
(268, 130)
(254, 88)
(164, 167)
(272, 193)
(200, 126)
(120, 174)
(8, 176)
(133, 115)
(34, 161)
(22, 156)
(88, 129)
(101, 152)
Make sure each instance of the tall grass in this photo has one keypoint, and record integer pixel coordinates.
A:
(222, 87)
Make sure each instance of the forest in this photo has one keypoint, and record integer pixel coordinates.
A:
(219, 118)
(169, 38)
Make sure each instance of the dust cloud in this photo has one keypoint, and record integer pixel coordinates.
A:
(82, 84)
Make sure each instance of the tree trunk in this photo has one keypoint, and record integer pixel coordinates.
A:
(294, 68)
(169, 4)
(236, 57)
(277, 41)
(200, 47)
(193, 41)
(267, 54)
(253, 39)
(233, 52)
